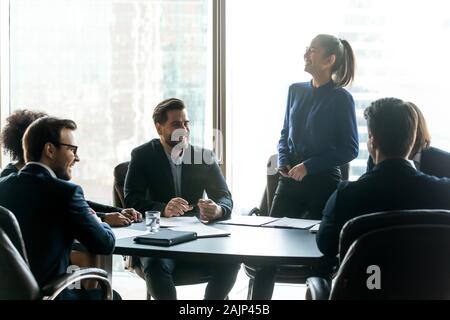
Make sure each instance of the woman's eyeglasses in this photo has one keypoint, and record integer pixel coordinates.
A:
(310, 50)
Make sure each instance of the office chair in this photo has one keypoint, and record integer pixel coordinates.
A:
(391, 255)
(285, 273)
(16, 279)
(181, 276)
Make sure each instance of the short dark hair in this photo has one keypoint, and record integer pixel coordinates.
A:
(42, 131)
(161, 110)
(393, 123)
(14, 129)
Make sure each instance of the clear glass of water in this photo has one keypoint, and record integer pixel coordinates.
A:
(152, 220)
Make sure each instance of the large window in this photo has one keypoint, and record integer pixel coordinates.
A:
(106, 64)
(402, 50)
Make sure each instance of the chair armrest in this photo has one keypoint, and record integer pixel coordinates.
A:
(317, 288)
(54, 288)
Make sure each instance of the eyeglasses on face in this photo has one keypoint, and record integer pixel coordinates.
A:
(310, 50)
(71, 147)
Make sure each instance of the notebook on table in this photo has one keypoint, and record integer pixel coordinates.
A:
(166, 237)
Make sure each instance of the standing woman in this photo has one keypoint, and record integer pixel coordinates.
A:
(319, 132)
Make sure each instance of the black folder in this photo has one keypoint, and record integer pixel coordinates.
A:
(166, 237)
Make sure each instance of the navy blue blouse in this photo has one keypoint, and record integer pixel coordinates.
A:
(319, 128)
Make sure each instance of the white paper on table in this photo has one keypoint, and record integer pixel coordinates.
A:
(248, 220)
(202, 230)
(131, 231)
(179, 221)
(292, 223)
(315, 228)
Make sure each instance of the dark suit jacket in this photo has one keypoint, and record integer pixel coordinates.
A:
(10, 168)
(392, 185)
(99, 208)
(433, 161)
(102, 208)
(51, 214)
(149, 181)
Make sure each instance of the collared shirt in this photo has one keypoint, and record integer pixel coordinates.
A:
(417, 159)
(175, 167)
(52, 173)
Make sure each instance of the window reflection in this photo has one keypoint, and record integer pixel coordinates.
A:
(106, 64)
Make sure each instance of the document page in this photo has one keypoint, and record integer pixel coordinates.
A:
(248, 220)
(179, 222)
(315, 228)
(202, 230)
(137, 229)
(292, 223)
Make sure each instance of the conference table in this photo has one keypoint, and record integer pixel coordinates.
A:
(261, 246)
(256, 245)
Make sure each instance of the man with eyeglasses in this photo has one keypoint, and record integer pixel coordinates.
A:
(52, 211)
(11, 139)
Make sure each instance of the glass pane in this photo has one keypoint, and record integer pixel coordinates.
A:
(398, 54)
(106, 64)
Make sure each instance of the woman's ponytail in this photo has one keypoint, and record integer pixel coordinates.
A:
(345, 67)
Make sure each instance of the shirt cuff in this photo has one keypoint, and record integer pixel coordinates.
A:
(283, 162)
(309, 165)
(101, 216)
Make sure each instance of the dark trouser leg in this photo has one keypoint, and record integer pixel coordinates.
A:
(158, 276)
(288, 200)
(222, 281)
(263, 283)
(305, 199)
(318, 189)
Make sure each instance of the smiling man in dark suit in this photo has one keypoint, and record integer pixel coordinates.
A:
(52, 211)
(170, 175)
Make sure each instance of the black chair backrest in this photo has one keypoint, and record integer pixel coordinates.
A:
(10, 226)
(410, 261)
(358, 226)
(271, 186)
(120, 172)
(16, 280)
